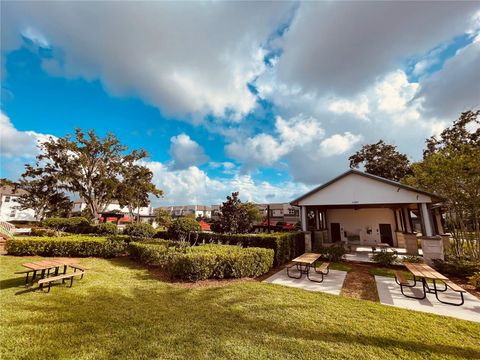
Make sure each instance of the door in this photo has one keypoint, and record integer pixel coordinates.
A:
(335, 231)
(386, 234)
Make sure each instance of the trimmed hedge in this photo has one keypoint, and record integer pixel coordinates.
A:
(155, 252)
(161, 234)
(107, 228)
(74, 225)
(205, 261)
(139, 230)
(75, 246)
(285, 245)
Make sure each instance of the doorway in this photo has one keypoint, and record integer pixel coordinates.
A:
(386, 234)
(335, 232)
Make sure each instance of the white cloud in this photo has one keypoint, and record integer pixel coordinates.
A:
(265, 149)
(194, 186)
(359, 107)
(185, 152)
(339, 144)
(186, 58)
(343, 47)
(18, 144)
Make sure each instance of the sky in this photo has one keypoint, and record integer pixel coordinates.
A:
(268, 98)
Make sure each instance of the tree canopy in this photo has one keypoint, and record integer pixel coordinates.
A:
(236, 217)
(98, 169)
(451, 169)
(381, 159)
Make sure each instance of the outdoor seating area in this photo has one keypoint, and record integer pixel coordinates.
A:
(50, 271)
(424, 274)
(305, 263)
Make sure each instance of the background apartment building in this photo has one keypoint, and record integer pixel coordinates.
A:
(176, 211)
(9, 206)
(279, 212)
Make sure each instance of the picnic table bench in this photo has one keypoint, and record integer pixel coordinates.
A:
(45, 267)
(424, 273)
(304, 263)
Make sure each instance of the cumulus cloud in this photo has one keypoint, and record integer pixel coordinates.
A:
(194, 186)
(339, 143)
(18, 144)
(265, 149)
(185, 152)
(185, 58)
(342, 47)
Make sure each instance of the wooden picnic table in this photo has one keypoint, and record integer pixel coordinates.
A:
(424, 274)
(44, 267)
(303, 264)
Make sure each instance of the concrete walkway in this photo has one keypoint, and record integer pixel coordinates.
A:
(332, 283)
(389, 294)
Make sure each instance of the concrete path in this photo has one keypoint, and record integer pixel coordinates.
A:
(332, 283)
(389, 294)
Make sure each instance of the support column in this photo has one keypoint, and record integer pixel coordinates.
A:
(427, 225)
(303, 217)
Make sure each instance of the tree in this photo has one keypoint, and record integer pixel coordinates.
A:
(235, 217)
(87, 165)
(163, 218)
(383, 160)
(134, 190)
(42, 194)
(451, 169)
(253, 213)
(183, 227)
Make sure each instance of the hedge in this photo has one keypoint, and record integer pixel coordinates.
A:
(139, 230)
(75, 225)
(285, 245)
(204, 261)
(74, 245)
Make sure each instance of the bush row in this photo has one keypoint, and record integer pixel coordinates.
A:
(456, 266)
(79, 225)
(74, 245)
(285, 245)
(204, 262)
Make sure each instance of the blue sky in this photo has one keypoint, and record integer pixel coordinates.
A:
(266, 98)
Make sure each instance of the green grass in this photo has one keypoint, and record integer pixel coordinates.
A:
(119, 310)
(340, 267)
(388, 272)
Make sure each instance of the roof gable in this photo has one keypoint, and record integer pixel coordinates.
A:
(356, 188)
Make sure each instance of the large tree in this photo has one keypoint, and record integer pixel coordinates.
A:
(135, 188)
(163, 218)
(381, 159)
(451, 169)
(87, 165)
(42, 194)
(235, 217)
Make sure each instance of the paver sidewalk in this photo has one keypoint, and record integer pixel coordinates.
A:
(389, 294)
(332, 283)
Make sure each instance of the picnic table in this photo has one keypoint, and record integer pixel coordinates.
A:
(424, 273)
(304, 263)
(43, 268)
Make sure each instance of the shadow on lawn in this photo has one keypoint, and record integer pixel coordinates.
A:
(205, 323)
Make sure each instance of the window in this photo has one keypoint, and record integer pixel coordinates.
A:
(12, 213)
(7, 198)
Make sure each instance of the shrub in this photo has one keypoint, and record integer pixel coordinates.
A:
(456, 266)
(285, 245)
(475, 280)
(155, 252)
(43, 232)
(220, 261)
(412, 259)
(75, 245)
(107, 228)
(332, 253)
(182, 228)
(74, 225)
(139, 230)
(161, 234)
(385, 257)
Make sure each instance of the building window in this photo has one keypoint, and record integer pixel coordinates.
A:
(12, 213)
(7, 198)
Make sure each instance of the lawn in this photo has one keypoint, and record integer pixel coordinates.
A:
(120, 310)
